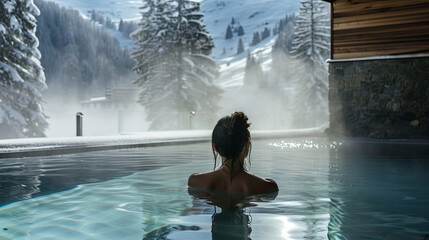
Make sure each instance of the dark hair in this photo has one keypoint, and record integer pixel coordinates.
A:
(230, 135)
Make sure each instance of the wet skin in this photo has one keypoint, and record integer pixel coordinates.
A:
(239, 180)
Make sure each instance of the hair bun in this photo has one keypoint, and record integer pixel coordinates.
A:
(230, 135)
(241, 119)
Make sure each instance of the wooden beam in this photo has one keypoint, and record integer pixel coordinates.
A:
(375, 53)
(387, 48)
(410, 28)
(361, 1)
(353, 41)
(365, 28)
(383, 23)
(345, 6)
(382, 12)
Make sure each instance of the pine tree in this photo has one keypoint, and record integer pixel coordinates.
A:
(256, 39)
(232, 21)
(276, 29)
(176, 72)
(253, 73)
(281, 25)
(109, 24)
(149, 50)
(127, 28)
(240, 31)
(265, 34)
(79, 58)
(93, 15)
(121, 26)
(21, 75)
(240, 47)
(285, 34)
(310, 49)
(228, 34)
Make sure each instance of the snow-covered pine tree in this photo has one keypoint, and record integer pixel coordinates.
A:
(265, 34)
(240, 47)
(148, 38)
(176, 71)
(109, 24)
(93, 15)
(240, 31)
(228, 34)
(79, 58)
(310, 49)
(253, 73)
(21, 75)
(256, 39)
(281, 68)
(128, 28)
(282, 24)
(285, 30)
(276, 29)
(121, 26)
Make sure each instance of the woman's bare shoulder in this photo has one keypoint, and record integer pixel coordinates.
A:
(196, 180)
(200, 180)
(262, 185)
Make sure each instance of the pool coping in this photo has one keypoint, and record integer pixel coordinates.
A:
(32, 147)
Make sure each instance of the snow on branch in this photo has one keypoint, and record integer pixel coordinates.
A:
(12, 72)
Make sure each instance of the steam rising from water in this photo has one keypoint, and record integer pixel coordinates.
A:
(97, 121)
(268, 108)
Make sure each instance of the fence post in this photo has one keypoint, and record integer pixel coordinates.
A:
(79, 122)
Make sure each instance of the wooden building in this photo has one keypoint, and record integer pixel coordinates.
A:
(366, 28)
(379, 68)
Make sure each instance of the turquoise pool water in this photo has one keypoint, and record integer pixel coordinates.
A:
(326, 192)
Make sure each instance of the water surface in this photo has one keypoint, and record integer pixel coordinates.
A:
(142, 194)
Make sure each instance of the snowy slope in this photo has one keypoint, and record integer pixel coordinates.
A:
(253, 15)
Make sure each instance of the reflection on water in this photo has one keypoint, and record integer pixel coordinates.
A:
(379, 192)
(25, 178)
(231, 224)
(231, 218)
(163, 233)
(328, 190)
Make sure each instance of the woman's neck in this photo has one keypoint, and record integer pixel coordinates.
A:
(234, 168)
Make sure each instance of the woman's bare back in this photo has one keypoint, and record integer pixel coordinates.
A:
(242, 182)
(231, 141)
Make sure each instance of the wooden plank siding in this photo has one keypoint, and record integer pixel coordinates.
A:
(365, 28)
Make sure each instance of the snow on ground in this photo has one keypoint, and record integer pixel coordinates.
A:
(48, 146)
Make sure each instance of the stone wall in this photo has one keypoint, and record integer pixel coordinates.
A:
(387, 98)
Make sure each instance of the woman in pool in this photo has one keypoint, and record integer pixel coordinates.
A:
(231, 140)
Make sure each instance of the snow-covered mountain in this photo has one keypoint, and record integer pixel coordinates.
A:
(252, 15)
